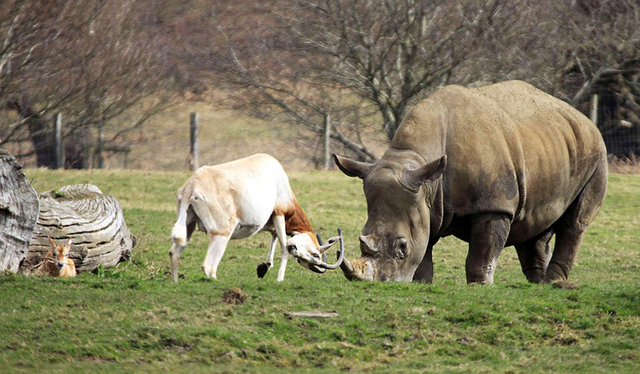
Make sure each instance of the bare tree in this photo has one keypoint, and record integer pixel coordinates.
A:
(92, 60)
(391, 53)
(575, 49)
(362, 61)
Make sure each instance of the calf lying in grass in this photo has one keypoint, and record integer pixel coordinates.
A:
(57, 262)
(239, 199)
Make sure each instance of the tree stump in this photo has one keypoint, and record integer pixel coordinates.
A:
(18, 213)
(93, 220)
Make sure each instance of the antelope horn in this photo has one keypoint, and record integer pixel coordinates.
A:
(323, 247)
(324, 256)
(340, 255)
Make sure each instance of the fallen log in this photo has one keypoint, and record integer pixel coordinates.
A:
(18, 213)
(93, 220)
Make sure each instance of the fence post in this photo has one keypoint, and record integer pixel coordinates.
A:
(193, 150)
(87, 159)
(594, 109)
(100, 146)
(327, 141)
(59, 147)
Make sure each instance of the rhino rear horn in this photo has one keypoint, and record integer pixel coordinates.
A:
(351, 167)
(426, 173)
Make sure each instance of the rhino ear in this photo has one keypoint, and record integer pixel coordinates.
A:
(427, 173)
(352, 168)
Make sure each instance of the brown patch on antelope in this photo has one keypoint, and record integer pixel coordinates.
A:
(295, 220)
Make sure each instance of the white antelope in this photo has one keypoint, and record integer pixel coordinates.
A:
(238, 199)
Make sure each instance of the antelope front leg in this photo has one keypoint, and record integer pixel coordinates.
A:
(278, 222)
(265, 266)
(217, 246)
(283, 264)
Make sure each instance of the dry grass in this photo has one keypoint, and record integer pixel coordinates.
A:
(624, 164)
(225, 135)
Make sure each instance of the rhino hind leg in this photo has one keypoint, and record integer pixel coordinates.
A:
(534, 256)
(570, 228)
(488, 235)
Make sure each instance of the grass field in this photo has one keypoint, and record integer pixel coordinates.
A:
(134, 319)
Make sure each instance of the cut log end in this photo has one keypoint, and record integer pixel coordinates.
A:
(18, 213)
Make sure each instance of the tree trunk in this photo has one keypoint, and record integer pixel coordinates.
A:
(93, 220)
(18, 213)
(39, 132)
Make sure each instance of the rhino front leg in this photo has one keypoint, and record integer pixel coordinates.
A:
(424, 273)
(488, 235)
(534, 256)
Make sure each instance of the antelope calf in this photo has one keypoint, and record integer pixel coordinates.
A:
(238, 199)
(57, 262)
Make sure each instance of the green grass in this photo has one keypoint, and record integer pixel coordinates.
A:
(134, 319)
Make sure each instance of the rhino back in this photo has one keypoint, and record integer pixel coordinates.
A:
(511, 149)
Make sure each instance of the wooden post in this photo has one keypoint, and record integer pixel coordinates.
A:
(126, 160)
(86, 148)
(100, 146)
(57, 138)
(193, 152)
(327, 141)
(594, 109)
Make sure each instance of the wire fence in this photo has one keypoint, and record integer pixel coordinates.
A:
(621, 137)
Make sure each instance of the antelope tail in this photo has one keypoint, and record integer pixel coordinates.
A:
(179, 232)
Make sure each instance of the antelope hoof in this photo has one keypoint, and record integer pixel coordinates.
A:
(262, 269)
(210, 274)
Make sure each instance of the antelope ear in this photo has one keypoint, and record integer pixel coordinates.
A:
(53, 244)
(352, 168)
(427, 173)
(69, 242)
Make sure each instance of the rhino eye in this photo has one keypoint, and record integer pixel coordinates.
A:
(401, 251)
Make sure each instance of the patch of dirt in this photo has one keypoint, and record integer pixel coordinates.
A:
(234, 296)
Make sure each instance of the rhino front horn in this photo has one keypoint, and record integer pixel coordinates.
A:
(368, 245)
(347, 268)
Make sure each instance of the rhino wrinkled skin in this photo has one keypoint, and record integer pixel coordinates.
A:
(495, 166)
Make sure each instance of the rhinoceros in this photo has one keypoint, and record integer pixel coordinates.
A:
(496, 166)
